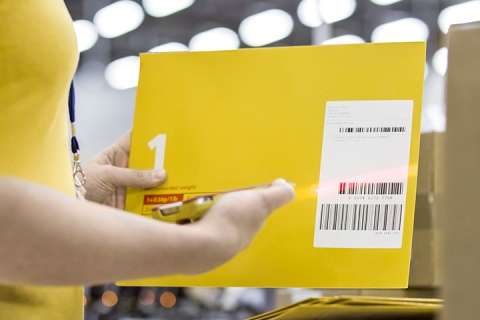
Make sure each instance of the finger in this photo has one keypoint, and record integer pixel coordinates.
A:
(277, 195)
(124, 141)
(259, 202)
(124, 177)
(238, 216)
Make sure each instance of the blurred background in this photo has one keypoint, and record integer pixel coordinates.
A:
(112, 34)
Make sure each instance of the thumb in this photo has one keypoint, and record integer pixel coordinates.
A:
(278, 194)
(124, 177)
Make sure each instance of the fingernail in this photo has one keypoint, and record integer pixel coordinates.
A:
(290, 185)
(278, 181)
(159, 174)
(283, 181)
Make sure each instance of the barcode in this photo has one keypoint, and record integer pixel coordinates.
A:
(371, 188)
(374, 217)
(373, 129)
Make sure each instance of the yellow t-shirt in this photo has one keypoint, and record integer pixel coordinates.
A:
(38, 57)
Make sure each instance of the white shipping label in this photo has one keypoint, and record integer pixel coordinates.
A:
(363, 174)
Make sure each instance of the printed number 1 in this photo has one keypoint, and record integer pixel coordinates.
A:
(159, 142)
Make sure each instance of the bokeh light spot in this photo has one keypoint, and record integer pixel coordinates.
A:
(109, 298)
(146, 297)
(168, 299)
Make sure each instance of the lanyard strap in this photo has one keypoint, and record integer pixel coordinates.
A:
(71, 112)
(79, 177)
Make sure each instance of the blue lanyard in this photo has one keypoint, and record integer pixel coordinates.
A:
(79, 177)
(71, 112)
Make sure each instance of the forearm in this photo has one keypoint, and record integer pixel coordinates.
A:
(52, 239)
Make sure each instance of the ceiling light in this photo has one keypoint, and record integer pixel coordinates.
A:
(403, 30)
(459, 13)
(309, 14)
(123, 73)
(440, 61)
(336, 10)
(345, 39)
(170, 47)
(163, 8)
(384, 2)
(215, 39)
(265, 27)
(86, 33)
(118, 18)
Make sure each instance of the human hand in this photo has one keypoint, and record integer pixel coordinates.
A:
(234, 220)
(108, 176)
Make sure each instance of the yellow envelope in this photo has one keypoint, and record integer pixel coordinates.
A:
(356, 307)
(342, 122)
